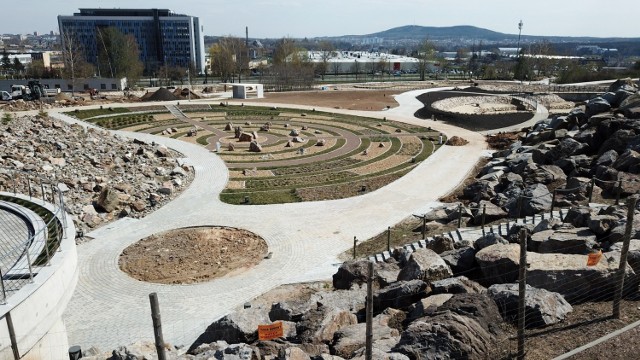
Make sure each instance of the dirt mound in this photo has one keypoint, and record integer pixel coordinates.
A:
(501, 141)
(161, 94)
(192, 255)
(456, 141)
(183, 94)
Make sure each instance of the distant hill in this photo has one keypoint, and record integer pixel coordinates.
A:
(470, 33)
(432, 32)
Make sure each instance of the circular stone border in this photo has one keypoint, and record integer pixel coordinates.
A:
(192, 255)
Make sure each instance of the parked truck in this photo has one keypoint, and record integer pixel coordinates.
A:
(5, 96)
(32, 91)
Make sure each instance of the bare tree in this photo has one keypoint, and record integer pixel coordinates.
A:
(327, 52)
(74, 61)
(229, 58)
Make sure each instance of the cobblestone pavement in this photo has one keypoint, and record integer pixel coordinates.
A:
(110, 308)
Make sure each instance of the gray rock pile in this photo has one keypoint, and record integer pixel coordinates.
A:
(103, 176)
(600, 139)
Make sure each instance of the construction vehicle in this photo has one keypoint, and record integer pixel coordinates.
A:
(32, 91)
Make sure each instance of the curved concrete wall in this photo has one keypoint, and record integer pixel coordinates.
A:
(36, 309)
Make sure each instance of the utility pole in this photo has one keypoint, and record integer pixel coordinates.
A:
(519, 33)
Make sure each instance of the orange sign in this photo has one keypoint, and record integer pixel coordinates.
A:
(594, 258)
(272, 331)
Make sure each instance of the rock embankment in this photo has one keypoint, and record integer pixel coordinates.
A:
(103, 176)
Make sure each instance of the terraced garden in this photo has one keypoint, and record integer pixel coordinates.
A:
(278, 155)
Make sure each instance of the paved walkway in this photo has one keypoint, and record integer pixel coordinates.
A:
(109, 308)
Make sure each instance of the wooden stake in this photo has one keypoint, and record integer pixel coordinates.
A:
(369, 309)
(157, 326)
(622, 267)
(522, 292)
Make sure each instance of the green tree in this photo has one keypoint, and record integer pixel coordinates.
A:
(523, 69)
(118, 55)
(5, 63)
(426, 54)
(17, 65)
(36, 70)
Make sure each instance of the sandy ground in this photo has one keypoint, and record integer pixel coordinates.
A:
(374, 100)
(186, 256)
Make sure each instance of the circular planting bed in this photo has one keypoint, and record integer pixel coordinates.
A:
(192, 255)
(300, 155)
(474, 111)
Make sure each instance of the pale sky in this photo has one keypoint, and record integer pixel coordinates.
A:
(311, 18)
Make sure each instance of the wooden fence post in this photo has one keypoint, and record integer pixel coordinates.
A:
(157, 326)
(369, 315)
(622, 267)
(522, 293)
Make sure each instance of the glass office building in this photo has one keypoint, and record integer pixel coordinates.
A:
(163, 38)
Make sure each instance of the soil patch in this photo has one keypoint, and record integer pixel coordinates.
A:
(192, 255)
(374, 100)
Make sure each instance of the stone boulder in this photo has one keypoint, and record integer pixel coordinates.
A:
(349, 339)
(601, 225)
(424, 264)
(499, 263)
(238, 327)
(245, 137)
(562, 273)
(289, 310)
(400, 295)
(427, 306)
(568, 147)
(440, 244)
(578, 216)
(108, 200)
(489, 239)
(255, 147)
(352, 300)
(568, 241)
(492, 212)
(479, 190)
(628, 161)
(537, 199)
(319, 325)
(356, 272)
(461, 261)
(596, 106)
(542, 307)
(456, 285)
(465, 327)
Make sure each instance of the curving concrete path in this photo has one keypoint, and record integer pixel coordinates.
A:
(110, 309)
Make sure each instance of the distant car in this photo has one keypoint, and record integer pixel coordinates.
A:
(5, 96)
(397, 73)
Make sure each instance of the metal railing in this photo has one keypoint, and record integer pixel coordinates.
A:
(29, 197)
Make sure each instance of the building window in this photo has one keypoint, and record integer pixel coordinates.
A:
(103, 86)
(86, 86)
(114, 87)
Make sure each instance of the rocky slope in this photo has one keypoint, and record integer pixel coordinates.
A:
(103, 176)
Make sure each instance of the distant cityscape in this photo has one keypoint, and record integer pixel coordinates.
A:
(170, 40)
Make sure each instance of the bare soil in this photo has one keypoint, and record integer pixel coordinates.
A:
(192, 255)
(374, 100)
